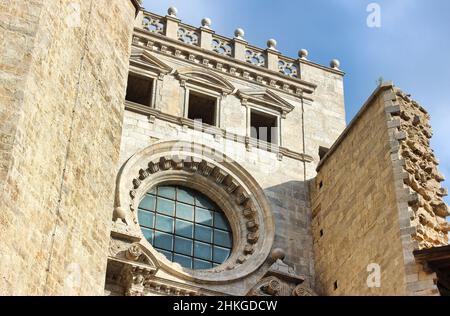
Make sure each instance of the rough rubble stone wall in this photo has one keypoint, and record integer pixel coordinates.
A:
(355, 221)
(63, 79)
(419, 194)
(429, 209)
(376, 199)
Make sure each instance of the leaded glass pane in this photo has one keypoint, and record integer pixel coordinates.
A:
(186, 227)
(185, 211)
(203, 202)
(148, 203)
(183, 246)
(167, 192)
(146, 218)
(222, 238)
(164, 241)
(204, 217)
(203, 233)
(164, 223)
(167, 254)
(186, 196)
(183, 228)
(202, 265)
(184, 261)
(202, 250)
(220, 254)
(220, 221)
(148, 234)
(165, 206)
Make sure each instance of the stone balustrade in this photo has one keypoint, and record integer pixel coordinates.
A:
(237, 48)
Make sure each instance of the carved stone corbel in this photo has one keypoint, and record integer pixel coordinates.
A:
(134, 279)
(303, 290)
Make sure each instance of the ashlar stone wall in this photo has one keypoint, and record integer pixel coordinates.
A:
(63, 71)
(375, 200)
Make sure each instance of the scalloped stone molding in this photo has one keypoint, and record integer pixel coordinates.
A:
(213, 174)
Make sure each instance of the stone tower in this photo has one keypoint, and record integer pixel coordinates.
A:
(63, 71)
(140, 155)
(197, 108)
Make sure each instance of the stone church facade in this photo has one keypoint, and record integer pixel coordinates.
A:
(144, 156)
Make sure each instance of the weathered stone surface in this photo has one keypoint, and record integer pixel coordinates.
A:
(424, 178)
(63, 71)
(373, 199)
(377, 197)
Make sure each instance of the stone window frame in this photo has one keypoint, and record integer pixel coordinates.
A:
(154, 88)
(193, 222)
(207, 83)
(222, 180)
(188, 88)
(145, 65)
(258, 108)
(268, 102)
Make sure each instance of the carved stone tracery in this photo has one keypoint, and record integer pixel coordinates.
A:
(255, 58)
(222, 47)
(153, 24)
(188, 36)
(288, 68)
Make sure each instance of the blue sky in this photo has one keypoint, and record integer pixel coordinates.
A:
(411, 48)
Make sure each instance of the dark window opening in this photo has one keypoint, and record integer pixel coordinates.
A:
(139, 90)
(202, 107)
(322, 152)
(321, 233)
(264, 127)
(335, 285)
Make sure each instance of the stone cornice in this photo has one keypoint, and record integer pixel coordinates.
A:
(324, 68)
(244, 42)
(223, 64)
(213, 130)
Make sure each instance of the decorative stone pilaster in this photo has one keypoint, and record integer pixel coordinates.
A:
(172, 23)
(206, 34)
(272, 55)
(240, 45)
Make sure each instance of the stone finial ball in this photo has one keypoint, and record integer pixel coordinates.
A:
(303, 54)
(172, 11)
(272, 44)
(277, 253)
(206, 22)
(239, 33)
(119, 213)
(335, 64)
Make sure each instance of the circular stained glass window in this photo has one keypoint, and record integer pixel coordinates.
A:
(185, 226)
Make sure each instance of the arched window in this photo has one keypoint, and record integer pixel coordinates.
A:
(186, 227)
